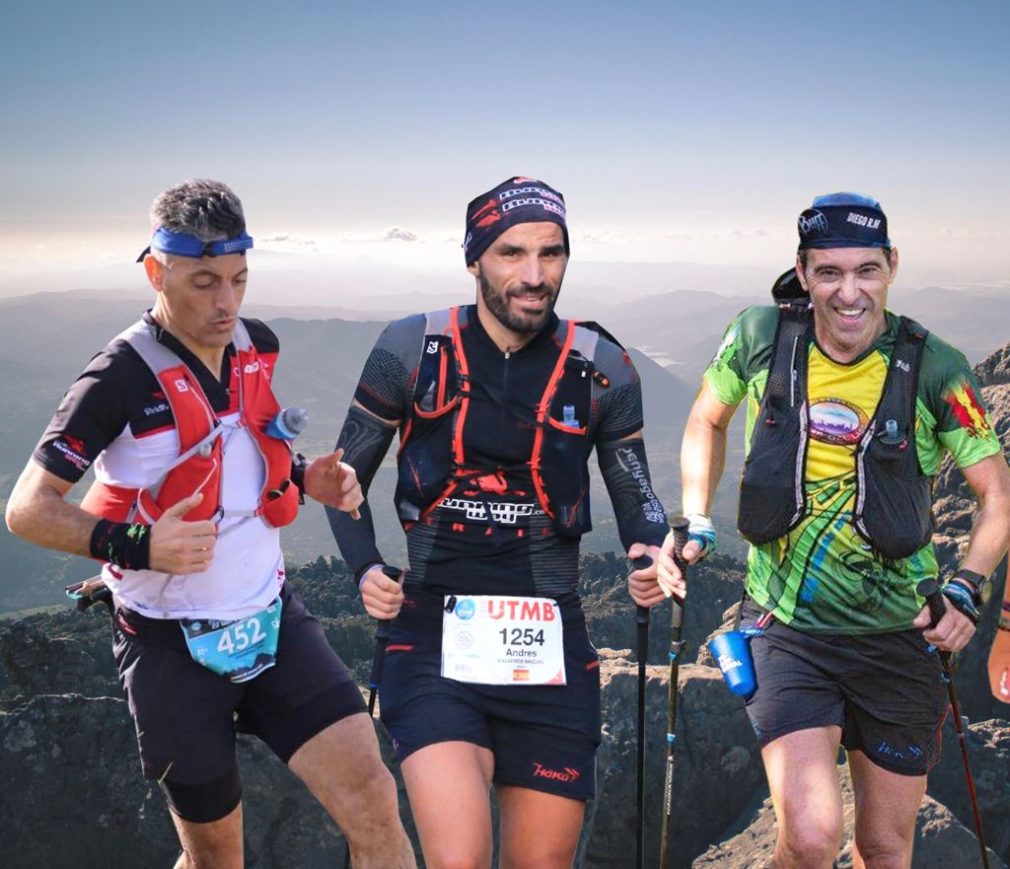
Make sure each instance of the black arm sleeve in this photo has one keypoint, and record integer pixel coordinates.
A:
(365, 440)
(640, 516)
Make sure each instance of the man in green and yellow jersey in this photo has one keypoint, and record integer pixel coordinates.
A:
(850, 410)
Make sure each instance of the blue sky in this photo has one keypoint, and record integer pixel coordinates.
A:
(677, 132)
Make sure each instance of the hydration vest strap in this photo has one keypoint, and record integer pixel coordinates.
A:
(787, 374)
(543, 410)
(463, 375)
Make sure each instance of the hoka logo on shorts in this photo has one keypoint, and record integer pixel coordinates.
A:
(563, 775)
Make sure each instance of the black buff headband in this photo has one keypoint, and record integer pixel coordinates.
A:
(843, 220)
(517, 200)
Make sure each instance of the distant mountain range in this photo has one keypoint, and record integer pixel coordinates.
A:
(47, 338)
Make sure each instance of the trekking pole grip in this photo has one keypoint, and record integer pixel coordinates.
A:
(642, 612)
(381, 638)
(930, 589)
(679, 526)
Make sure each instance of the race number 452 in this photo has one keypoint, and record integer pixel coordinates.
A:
(241, 635)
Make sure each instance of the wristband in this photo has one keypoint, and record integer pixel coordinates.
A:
(298, 465)
(962, 599)
(701, 530)
(1004, 616)
(359, 574)
(981, 585)
(122, 544)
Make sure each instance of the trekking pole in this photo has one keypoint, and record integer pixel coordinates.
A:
(642, 622)
(375, 679)
(679, 527)
(381, 639)
(930, 589)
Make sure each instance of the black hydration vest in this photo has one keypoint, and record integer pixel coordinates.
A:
(893, 509)
(432, 463)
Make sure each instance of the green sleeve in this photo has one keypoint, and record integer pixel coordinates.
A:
(963, 424)
(724, 375)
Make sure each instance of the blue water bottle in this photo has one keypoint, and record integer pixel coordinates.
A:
(731, 651)
(288, 424)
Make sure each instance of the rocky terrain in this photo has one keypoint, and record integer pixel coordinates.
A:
(73, 795)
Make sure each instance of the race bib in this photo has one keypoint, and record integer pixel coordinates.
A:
(239, 650)
(494, 640)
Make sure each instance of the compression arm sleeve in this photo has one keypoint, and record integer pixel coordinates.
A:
(365, 440)
(640, 516)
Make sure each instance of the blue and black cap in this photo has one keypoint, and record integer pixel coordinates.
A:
(843, 220)
(517, 200)
(183, 244)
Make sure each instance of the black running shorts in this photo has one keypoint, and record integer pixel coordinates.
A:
(884, 690)
(543, 737)
(186, 716)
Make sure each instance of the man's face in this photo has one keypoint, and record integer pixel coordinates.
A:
(520, 275)
(199, 299)
(848, 289)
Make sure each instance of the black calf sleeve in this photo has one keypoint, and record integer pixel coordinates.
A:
(205, 802)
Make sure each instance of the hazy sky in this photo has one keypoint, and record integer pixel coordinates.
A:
(678, 132)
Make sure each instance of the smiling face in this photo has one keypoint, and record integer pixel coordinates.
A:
(198, 300)
(848, 290)
(519, 277)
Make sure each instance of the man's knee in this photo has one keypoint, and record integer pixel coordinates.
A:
(211, 845)
(810, 842)
(884, 849)
(205, 802)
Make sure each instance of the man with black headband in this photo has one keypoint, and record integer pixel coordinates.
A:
(192, 485)
(850, 410)
(490, 678)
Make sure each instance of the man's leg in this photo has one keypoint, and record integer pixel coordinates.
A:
(538, 830)
(886, 808)
(213, 845)
(343, 769)
(448, 784)
(803, 778)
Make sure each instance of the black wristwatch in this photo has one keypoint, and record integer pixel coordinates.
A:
(298, 465)
(981, 585)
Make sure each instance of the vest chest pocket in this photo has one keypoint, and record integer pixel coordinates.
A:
(572, 400)
(437, 391)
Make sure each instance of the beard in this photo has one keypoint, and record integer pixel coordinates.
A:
(497, 302)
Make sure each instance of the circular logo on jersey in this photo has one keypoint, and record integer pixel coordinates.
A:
(464, 640)
(465, 609)
(833, 421)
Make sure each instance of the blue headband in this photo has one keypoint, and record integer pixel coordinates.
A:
(181, 244)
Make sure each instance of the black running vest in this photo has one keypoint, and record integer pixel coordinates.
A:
(893, 508)
(432, 462)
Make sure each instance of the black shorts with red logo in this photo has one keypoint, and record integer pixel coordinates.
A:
(543, 737)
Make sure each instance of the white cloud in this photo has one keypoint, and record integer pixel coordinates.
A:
(398, 233)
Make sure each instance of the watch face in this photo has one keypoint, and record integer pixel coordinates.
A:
(982, 584)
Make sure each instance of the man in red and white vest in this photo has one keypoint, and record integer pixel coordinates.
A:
(193, 481)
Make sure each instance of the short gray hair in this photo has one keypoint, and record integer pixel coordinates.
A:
(207, 210)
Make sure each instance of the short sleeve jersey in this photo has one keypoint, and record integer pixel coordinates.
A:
(116, 416)
(823, 577)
